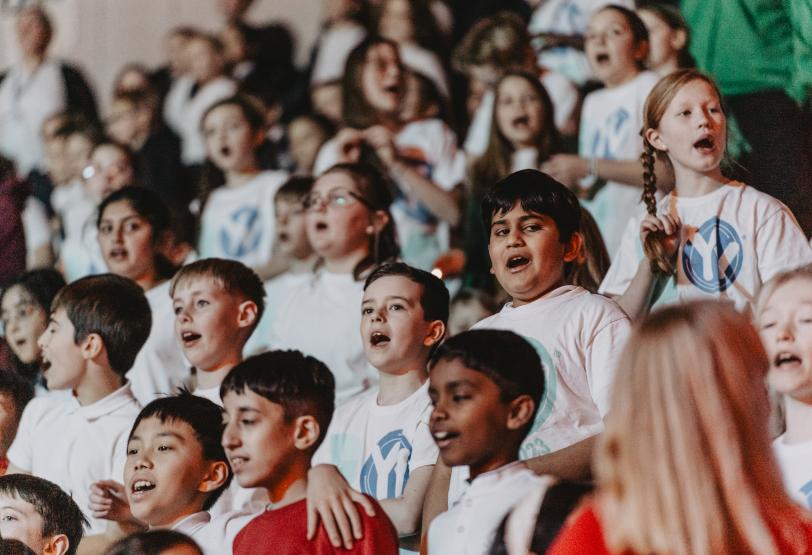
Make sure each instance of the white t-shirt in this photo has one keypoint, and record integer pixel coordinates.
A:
(469, 527)
(322, 318)
(277, 291)
(73, 445)
(733, 240)
(611, 120)
(377, 447)
(36, 227)
(334, 46)
(239, 222)
(81, 254)
(189, 112)
(563, 95)
(430, 147)
(796, 467)
(214, 534)
(160, 367)
(26, 100)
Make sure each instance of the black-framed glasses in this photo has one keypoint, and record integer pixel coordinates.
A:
(335, 198)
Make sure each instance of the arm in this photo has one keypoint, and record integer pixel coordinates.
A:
(569, 169)
(570, 463)
(405, 511)
(436, 500)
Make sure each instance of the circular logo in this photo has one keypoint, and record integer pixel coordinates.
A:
(713, 257)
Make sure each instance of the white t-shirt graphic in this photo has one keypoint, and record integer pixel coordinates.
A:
(796, 467)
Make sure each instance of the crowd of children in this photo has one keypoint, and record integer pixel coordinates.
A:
(495, 289)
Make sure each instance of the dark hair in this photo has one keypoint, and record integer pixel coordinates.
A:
(355, 109)
(501, 41)
(140, 99)
(203, 416)
(295, 189)
(434, 297)
(151, 542)
(506, 358)
(59, 512)
(590, 266)
(638, 28)
(671, 16)
(301, 384)
(534, 192)
(233, 276)
(426, 32)
(149, 205)
(376, 190)
(19, 390)
(113, 307)
(78, 124)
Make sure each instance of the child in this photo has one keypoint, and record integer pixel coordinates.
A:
(134, 231)
(616, 45)
(39, 515)
(237, 219)
(97, 326)
(380, 441)
(277, 406)
(420, 157)
(469, 307)
(783, 309)
(668, 35)
(732, 238)
(684, 465)
(24, 307)
(306, 135)
(351, 230)
(485, 388)
(15, 393)
(155, 542)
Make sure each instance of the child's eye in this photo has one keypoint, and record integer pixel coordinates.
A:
(105, 229)
(132, 226)
(132, 451)
(531, 228)
(177, 310)
(500, 232)
(8, 518)
(460, 398)
(685, 113)
(366, 310)
(201, 303)
(247, 422)
(396, 307)
(767, 325)
(163, 448)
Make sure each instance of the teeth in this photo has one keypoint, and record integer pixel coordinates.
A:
(378, 338)
(440, 435)
(142, 485)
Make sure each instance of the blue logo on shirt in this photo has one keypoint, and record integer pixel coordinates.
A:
(713, 257)
(611, 137)
(386, 470)
(806, 489)
(533, 445)
(241, 232)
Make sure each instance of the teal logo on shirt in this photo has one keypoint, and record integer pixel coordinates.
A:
(713, 257)
(534, 446)
(241, 233)
(386, 470)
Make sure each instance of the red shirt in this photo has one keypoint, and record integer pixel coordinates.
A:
(283, 531)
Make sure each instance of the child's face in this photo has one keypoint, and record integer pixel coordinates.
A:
(166, 476)
(24, 320)
(382, 79)
(258, 441)
(126, 241)
(8, 422)
(611, 49)
(527, 255)
(665, 43)
(204, 62)
(337, 224)
(207, 322)
(692, 130)
(56, 162)
(396, 21)
(305, 139)
(786, 331)
(464, 314)
(109, 170)
(469, 419)
(20, 521)
(76, 154)
(519, 112)
(122, 122)
(230, 141)
(396, 335)
(291, 228)
(62, 361)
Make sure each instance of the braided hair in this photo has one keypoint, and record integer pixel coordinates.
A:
(653, 246)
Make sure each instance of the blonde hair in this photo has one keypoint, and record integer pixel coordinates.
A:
(685, 465)
(656, 104)
(769, 288)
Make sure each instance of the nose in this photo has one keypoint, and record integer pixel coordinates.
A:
(784, 332)
(438, 413)
(42, 340)
(142, 461)
(230, 439)
(515, 237)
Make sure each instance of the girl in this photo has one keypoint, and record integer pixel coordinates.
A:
(668, 38)
(134, 230)
(784, 313)
(711, 236)
(350, 228)
(421, 157)
(25, 306)
(606, 169)
(684, 464)
(237, 219)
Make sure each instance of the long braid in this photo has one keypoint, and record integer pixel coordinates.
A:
(653, 245)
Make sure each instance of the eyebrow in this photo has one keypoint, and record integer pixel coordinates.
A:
(524, 218)
(171, 434)
(247, 409)
(390, 298)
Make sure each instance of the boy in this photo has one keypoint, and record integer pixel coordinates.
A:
(485, 387)
(277, 406)
(38, 514)
(96, 328)
(380, 441)
(15, 393)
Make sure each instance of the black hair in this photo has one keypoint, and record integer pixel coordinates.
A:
(203, 416)
(295, 188)
(301, 384)
(506, 358)
(434, 297)
(151, 542)
(534, 192)
(59, 512)
(18, 389)
(113, 307)
(149, 205)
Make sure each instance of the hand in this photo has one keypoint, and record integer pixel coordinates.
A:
(348, 142)
(569, 169)
(108, 500)
(331, 498)
(667, 224)
(383, 142)
(451, 263)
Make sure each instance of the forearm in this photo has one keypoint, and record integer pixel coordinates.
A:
(405, 518)
(436, 500)
(637, 299)
(444, 205)
(630, 172)
(571, 463)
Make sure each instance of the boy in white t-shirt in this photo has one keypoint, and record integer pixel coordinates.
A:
(96, 328)
(485, 387)
(380, 441)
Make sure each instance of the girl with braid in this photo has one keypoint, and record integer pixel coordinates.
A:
(711, 236)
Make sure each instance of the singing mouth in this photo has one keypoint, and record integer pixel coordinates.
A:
(378, 338)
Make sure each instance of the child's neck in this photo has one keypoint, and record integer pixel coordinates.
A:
(149, 280)
(195, 506)
(290, 488)
(211, 378)
(397, 386)
(238, 178)
(98, 383)
(799, 415)
(546, 293)
(497, 461)
(302, 265)
(689, 183)
(33, 61)
(346, 263)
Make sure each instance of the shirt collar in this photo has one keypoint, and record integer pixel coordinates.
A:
(192, 523)
(118, 399)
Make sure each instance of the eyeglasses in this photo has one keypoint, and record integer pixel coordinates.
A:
(336, 198)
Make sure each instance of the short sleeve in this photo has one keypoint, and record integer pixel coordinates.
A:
(603, 355)
(424, 449)
(21, 452)
(626, 261)
(780, 245)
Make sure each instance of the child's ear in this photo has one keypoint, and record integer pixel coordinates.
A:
(247, 314)
(92, 346)
(306, 432)
(434, 333)
(521, 412)
(653, 137)
(56, 545)
(215, 477)
(679, 38)
(377, 221)
(573, 247)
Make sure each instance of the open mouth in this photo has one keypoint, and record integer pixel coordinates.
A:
(225, 150)
(237, 463)
(705, 143)
(321, 226)
(378, 338)
(393, 89)
(444, 438)
(45, 364)
(602, 58)
(786, 359)
(521, 121)
(118, 254)
(283, 237)
(516, 262)
(142, 486)
(189, 337)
